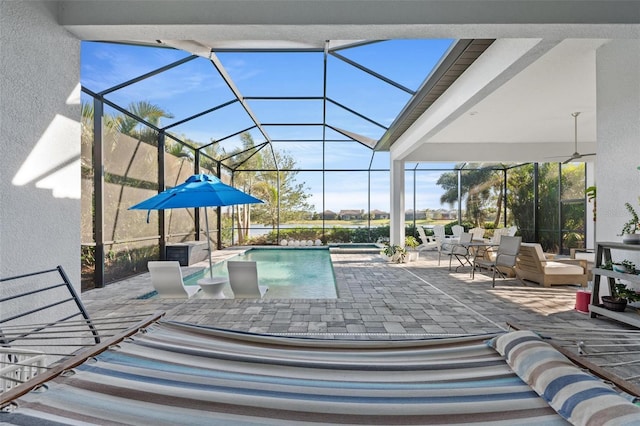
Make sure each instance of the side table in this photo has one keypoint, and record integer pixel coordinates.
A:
(212, 287)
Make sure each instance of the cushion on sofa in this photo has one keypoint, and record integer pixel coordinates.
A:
(558, 268)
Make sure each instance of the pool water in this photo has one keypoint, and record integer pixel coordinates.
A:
(290, 273)
(356, 246)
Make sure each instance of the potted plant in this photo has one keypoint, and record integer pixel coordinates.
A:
(412, 242)
(394, 253)
(631, 227)
(625, 267)
(620, 296)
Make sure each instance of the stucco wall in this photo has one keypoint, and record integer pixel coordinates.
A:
(40, 141)
(617, 176)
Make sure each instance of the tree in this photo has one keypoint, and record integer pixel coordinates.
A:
(177, 149)
(521, 201)
(292, 195)
(480, 187)
(284, 198)
(250, 158)
(147, 111)
(214, 151)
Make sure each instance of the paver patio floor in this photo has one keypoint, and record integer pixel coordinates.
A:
(376, 300)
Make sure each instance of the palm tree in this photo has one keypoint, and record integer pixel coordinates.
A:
(177, 149)
(478, 186)
(148, 112)
(87, 116)
(284, 198)
(246, 158)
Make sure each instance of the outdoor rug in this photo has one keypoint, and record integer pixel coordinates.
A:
(181, 374)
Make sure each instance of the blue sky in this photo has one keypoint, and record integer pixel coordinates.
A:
(196, 86)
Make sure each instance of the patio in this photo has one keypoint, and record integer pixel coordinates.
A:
(378, 300)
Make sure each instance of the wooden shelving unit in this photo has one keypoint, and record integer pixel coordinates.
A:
(603, 254)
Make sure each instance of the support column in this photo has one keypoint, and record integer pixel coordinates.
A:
(590, 222)
(98, 192)
(162, 229)
(397, 203)
(196, 215)
(459, 197)
(618, 129)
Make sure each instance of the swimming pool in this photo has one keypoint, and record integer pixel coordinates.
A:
(356, 247)
(290, 273)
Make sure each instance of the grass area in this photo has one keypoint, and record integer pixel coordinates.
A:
(363, 223)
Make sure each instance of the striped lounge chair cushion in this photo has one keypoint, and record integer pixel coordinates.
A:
(576, 395)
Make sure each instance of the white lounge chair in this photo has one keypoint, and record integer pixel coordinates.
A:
(457, 230)
(477, 233)
(427, 242)
(438, 232)
(498, 233)
(166, 277)
(243, 277)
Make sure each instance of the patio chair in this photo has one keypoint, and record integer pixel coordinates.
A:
(505, 258)
(439, 235)
(458, 249)
(427, 242)
(498, 233)
(438, 232)
(457, 230)
(166, 277)
(534, 266)
(243, 278)
(477, 233)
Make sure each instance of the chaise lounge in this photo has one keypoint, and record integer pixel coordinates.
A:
(533, 266)
(166, 277)
(243, 278)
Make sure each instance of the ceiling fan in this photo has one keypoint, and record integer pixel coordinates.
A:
(576, 155)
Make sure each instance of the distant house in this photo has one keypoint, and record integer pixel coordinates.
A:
(329, 215)
(442, 214)
(379, 214)
(410, 214)
(351, 214)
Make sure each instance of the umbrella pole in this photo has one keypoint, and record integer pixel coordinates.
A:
(206, 221)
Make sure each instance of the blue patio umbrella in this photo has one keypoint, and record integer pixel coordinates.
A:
(198, 191)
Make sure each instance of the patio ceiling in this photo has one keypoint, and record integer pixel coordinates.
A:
(519, 112)
(515, 104)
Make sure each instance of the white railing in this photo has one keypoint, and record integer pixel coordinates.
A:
(19, 365)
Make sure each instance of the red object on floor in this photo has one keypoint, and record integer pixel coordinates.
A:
(583, 298)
